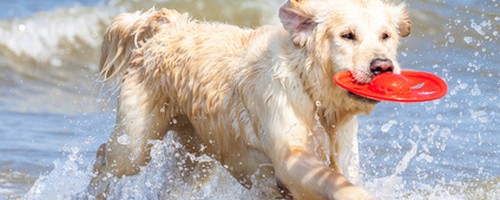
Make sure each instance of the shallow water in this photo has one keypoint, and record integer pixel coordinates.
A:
(54, 113)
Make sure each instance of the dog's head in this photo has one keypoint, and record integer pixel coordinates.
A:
(357, 35)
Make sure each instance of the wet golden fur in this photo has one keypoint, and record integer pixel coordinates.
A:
(257, 100)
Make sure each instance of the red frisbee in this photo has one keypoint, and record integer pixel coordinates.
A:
(409, 86)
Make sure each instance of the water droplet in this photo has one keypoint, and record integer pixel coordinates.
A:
(478, 28)
(89, 140)
(21, 27)
(123, 139)
(425, 157)
(75, 150)
(475, 91)
(451, 39)
(446, 132)
(463, 86)
(439, 117)
(481, 116)
(468, 39)
(387, 126)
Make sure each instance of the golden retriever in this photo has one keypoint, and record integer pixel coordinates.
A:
(258, 100)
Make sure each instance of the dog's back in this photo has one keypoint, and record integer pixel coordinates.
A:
(130, 31)
(168, 47)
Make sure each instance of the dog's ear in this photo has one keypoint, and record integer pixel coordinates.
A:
(297, 19)
(404, 23)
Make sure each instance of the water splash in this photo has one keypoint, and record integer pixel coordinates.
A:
(163, 178)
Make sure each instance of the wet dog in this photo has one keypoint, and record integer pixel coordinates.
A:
(255, 100)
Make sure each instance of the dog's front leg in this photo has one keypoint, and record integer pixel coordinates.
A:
(344, 149)
(303, 173)
(308, 178)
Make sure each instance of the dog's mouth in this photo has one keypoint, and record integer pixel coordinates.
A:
(362, 98)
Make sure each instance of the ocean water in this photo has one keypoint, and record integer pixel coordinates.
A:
(54, 112)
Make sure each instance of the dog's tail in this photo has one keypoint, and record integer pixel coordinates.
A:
(128, 32)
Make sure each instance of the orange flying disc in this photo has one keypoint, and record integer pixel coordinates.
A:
(408, 87)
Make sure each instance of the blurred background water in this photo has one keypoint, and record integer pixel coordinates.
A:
(54, 112)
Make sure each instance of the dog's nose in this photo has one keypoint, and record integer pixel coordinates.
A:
(381, 65)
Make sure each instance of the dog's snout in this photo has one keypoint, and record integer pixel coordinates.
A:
(381, 65)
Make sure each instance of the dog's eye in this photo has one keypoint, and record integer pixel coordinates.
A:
(385, 36)
(349, 36)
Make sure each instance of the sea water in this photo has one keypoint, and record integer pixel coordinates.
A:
(54, 112)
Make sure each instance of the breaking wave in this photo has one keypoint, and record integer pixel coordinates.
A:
(72, 36)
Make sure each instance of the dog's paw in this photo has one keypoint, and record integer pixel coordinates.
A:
(351, 193)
